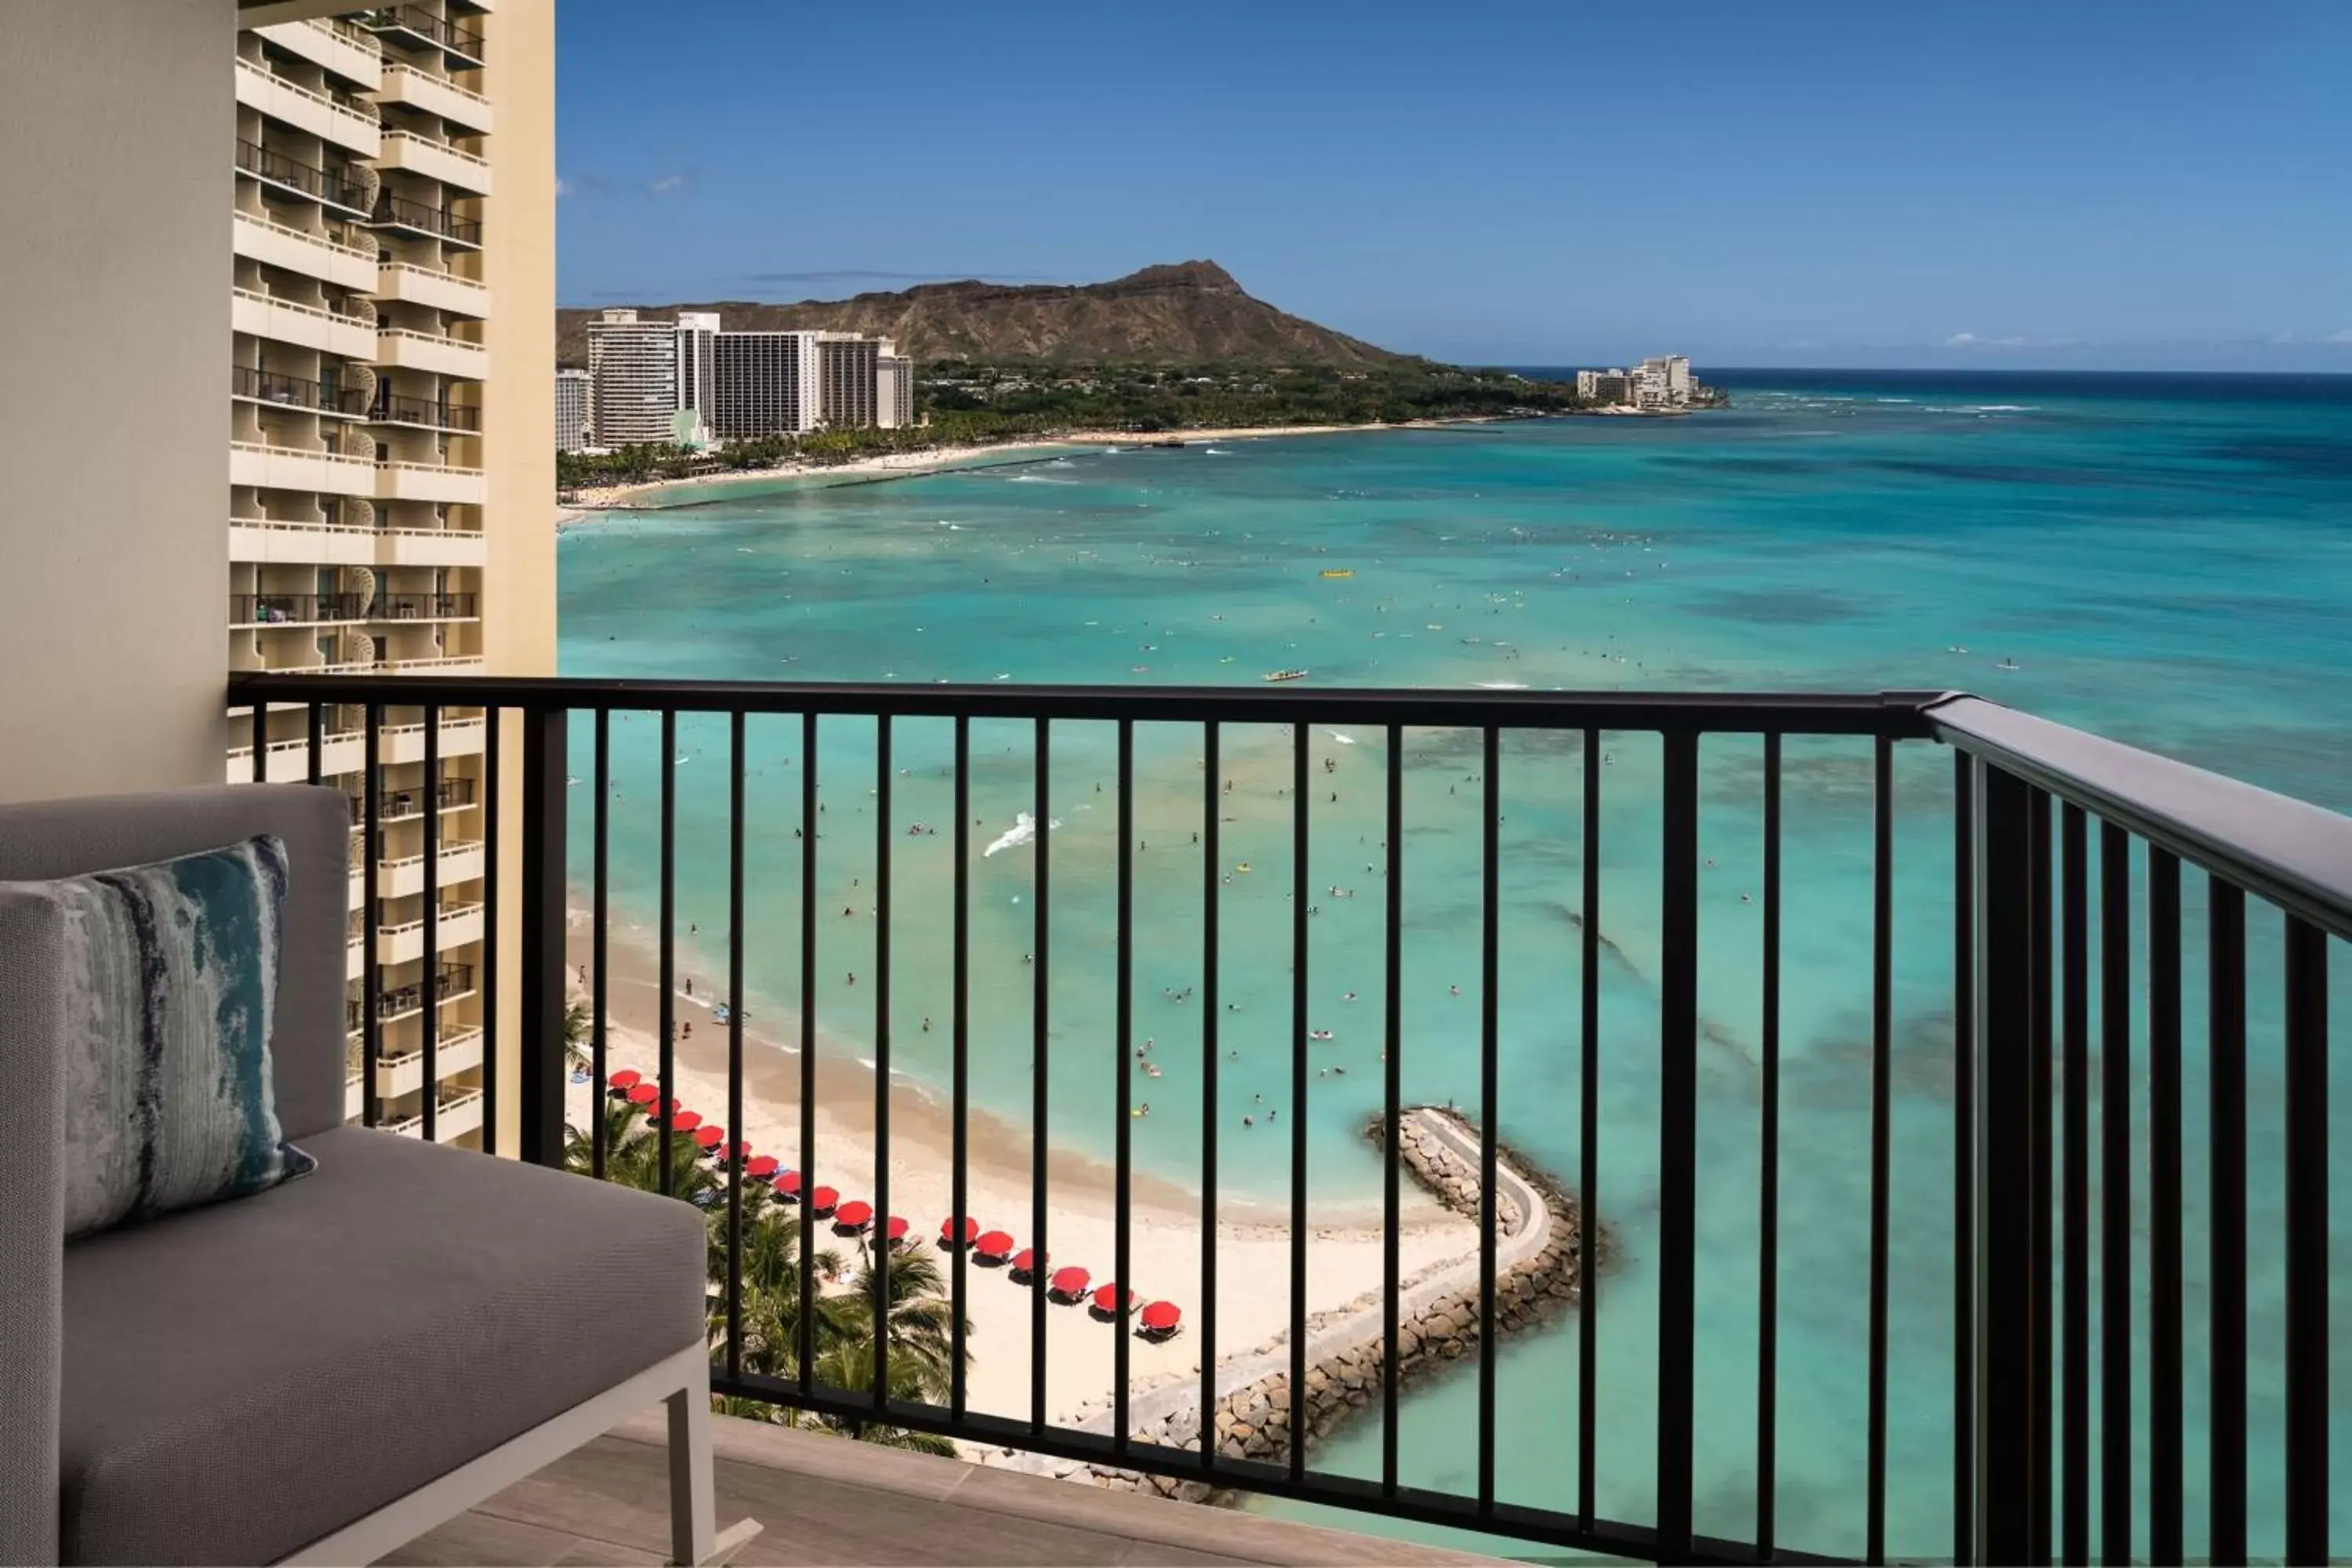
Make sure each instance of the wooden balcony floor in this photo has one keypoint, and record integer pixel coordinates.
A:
(827, 1501)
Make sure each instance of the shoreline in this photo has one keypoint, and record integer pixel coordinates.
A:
(1164, 1219)
(588, 502)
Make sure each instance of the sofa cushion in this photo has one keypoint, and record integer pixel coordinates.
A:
(169, 980)
(242, 1380)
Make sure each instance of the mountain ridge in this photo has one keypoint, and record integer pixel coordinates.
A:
(1170, 313)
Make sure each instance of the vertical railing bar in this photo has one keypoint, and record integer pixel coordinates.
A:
(733, 1149)
(2114, 1180)
(805, 1350)
(2307, 1285)
(2164, 1370)
(1677, 1139)
(432, 933)
(1391, 1093)
(1124, 1031)
(1964, 1090)
(666, 1112)
(488, 811)
(1299, 1025)
(960, 1025)
(261, 745)
(315, 730)
(1041, 1058)
(880, 1251)
(1588, 1198)
(598, 926)
(1882, 1066)
(370, 851)
(1768, 1176)
(1489, 1108)
(2074, 1176)
(2041, 1227)
(1210, 1007)
(2225, 924)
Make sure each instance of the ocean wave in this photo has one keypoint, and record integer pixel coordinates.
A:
(1038, 479)
(1024, 829)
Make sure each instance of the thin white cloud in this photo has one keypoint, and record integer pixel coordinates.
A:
(1962, 340)
(667, 184)
(2344, 337)
(563, 186)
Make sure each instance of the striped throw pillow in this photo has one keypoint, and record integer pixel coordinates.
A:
(168, 984)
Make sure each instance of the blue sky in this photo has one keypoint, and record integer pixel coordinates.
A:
(2083, 183)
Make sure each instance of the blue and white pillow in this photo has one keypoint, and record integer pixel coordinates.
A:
(170, 986)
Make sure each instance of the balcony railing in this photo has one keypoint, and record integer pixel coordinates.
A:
(399, 212)
(453, 982)
(2052, 867)
(294, 391)
(454, 37)
(284, 609)
(391, 410)
(407, 805)
(327, 184)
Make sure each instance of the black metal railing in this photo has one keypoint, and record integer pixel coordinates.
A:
(453, 36)
(402, 213)
(407, 805)
(391, 410)
(390, 606)
(274, 609)
(327, 184)
(455, 981)
(294, 391)
(2069, 950)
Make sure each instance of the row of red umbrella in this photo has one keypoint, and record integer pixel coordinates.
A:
(1069, 1282)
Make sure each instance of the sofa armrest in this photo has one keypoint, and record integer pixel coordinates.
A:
(32, 1224)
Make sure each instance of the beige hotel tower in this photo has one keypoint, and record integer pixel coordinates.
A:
(391, 477)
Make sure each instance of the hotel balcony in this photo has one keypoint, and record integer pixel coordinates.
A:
(458, 1113)
(405, 216)
(336, 47)
(336, 402)
(313, 256)
(261, 315)
(430, 482)
(248, 610)
(345, 751)
(394, 1004)
(292, 176)
(437, 290)
(417, 412)
(266, 542)
(429, 94)
(405, 349)
(393, 806)
(459, 925)
(459, 861)
(414, 27)
(435, 160)
(356, 131)
(459, 1049)
(264, 465)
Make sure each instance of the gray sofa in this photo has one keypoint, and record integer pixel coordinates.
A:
(337, 1364)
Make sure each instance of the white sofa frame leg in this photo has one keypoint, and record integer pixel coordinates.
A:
(692, 1504)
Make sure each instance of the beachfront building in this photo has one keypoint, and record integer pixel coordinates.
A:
(697, 331)
(570, 409)
(366, 489)
(632, 377)
(1659, 382)
(894, 391)
(762, 383)
(847, 365)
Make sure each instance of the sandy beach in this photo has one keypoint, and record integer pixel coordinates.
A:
(582, 504)
(1164, 1236)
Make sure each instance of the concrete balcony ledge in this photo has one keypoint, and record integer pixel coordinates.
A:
(331, 545)
(440, 291)
(435, 160)
(430, 482)
(432, 351)
(272, 467)
(260, 315)
(351, 129)
(431, 94)
(358, 59)
(311, 255)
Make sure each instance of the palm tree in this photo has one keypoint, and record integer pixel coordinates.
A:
(632, 1156)
(576, 1023)
(772, 1288)
(918, 1320)
(850, 1368)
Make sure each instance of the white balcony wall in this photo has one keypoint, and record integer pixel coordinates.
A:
(285, 469)
(429, 547)
(467, 110)
(309, 255)
(440, 291)
(420, 482)
(325, 46)
(269, 543)
(399, 878)
(431, 351)
(349, 129)
(421, 155)
(406, 742)
(306, 326)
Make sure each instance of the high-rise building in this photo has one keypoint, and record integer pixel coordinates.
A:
(763, 383)
(633, 377)
(372, 461)
(696, 332)
(847, 365)
(570, 409)
(894, 390)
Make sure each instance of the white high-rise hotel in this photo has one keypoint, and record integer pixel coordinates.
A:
(374, 481)
(644, 374)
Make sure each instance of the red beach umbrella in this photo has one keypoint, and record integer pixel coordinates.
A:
(789, 1183)
(824, 1198)
(996, 1243)
(623, 1081)
(948, 1231)
(854, 1213)
(710, 1138)
(896, 1230)
(1107, 1299)
(1070, 1281)
(643, 1094)
(765, 1165)
(1161, 1316)
(743, 1151)
(1026, 1260)
(686, 1121)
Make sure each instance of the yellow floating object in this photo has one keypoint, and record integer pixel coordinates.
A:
(1242, 868)
(1338, 572)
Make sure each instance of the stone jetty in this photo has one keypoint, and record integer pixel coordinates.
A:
(1539, 1237)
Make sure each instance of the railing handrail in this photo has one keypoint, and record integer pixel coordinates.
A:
(458, 469)
(276, 450)
(450, 35)
(402, 68)
(426, 337)
(268, 163)
(317, 239)
(1897, 714)
(393, 409)
(434, 273)
(2296, 855)
(239, 292)
(409, 213)
(436, 142)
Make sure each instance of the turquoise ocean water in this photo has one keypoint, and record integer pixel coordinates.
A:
(2168, 560)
